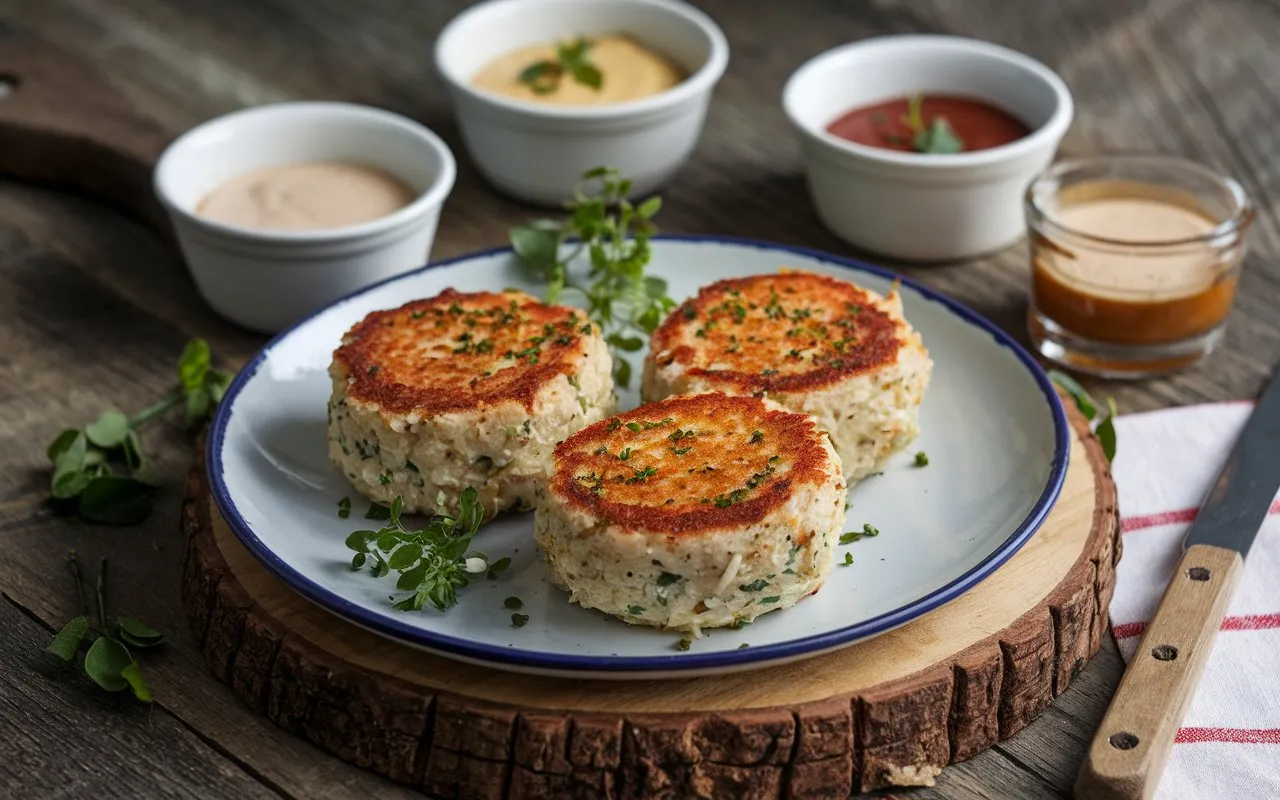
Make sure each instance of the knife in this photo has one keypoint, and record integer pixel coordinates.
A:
(1129, 751)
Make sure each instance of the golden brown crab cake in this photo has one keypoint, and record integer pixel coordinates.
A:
(463, 390)
(693, 512)
(813, 343)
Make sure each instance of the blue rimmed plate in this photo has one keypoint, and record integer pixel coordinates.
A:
(994, 431)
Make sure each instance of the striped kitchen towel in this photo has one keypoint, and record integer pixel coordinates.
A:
(1229, 744)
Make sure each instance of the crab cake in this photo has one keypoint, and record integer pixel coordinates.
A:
(463, 390)
(693, 512)
(815, 344)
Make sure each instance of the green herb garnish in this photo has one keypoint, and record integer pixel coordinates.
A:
(848, 559)
(344, 508)
(434, 562)
(108, 662)
(519, 620)
(635, 610)
(1104, 428)
(572, 59)
(868, 531)
(684, 644)
(922, 460)
(936, 136)
(754, 586)
(614, 234)
(96, 468)
(764, 601)
(513, 603)
(668, 578)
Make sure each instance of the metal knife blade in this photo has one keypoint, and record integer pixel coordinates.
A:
(1239, 499)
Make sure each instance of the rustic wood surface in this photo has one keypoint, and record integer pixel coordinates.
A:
(94, 307)
(891, 711)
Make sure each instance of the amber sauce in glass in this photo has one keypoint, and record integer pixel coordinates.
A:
(1137, 287)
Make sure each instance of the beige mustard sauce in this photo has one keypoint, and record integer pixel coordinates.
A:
(629, 71)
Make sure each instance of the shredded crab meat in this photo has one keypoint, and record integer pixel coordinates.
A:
(730, 572)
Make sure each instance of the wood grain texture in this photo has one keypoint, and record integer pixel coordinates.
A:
(81, 732)
(93, 309)
(1131, 746)
(891, 711)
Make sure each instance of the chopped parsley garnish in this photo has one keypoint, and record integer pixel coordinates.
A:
(684, 644)
(513, 603)
(613, 425)
(764, 601)
(625, 454)
(680, 450)
(633, 426)
(642, 475)
(768, 372)
(679, 434)
(757, 437)
(868, 531)
(732, 498)
(384, 479)
(518, 620)
(344, 508)
(635, 610)
(754, 586)
(668, 578)
(848, 559)
(690, 313)
(922, 460)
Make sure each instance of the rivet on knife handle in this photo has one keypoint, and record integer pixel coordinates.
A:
(1131, 746)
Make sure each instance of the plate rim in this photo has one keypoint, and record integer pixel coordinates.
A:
(647, 666)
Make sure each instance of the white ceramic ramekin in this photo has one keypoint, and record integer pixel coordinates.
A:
(915, 206)
(265, 280)
(537, 152)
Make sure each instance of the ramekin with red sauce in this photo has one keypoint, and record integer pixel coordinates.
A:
(876, 185)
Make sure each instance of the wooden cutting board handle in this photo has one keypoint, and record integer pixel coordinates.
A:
(63, 123)
(1129, 751)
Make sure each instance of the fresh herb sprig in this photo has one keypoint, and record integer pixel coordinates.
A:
(96, 468)
(1103, 427)
(434, 562)
(573, 59)
(615, 234)
(108, 662)
(936, 136)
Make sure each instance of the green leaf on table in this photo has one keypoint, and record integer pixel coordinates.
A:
(115, 500)
(61, 444)
(131, 449)
(138, 633)
(1084, 401)
(66, 643)
(104, 662)
(132, 675)
(199, 404)
(108, 430)
(193, 365)
(1106, 431)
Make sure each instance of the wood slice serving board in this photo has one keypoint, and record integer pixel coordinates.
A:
(890, 711)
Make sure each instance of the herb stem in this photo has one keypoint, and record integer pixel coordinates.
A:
(102, 596)
(172, 400)
(73, 563)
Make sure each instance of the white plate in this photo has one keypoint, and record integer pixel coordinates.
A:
(994, 431)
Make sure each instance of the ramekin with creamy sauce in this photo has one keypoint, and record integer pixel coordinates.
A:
(536, 147)
(283, 208)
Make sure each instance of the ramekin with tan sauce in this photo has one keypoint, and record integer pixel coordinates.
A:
(282, 209)
(537, 150)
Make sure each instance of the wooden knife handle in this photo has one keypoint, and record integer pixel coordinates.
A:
(1131, 746)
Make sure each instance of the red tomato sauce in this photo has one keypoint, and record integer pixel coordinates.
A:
(978, 125)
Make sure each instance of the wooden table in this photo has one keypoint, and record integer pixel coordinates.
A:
(94, 309)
